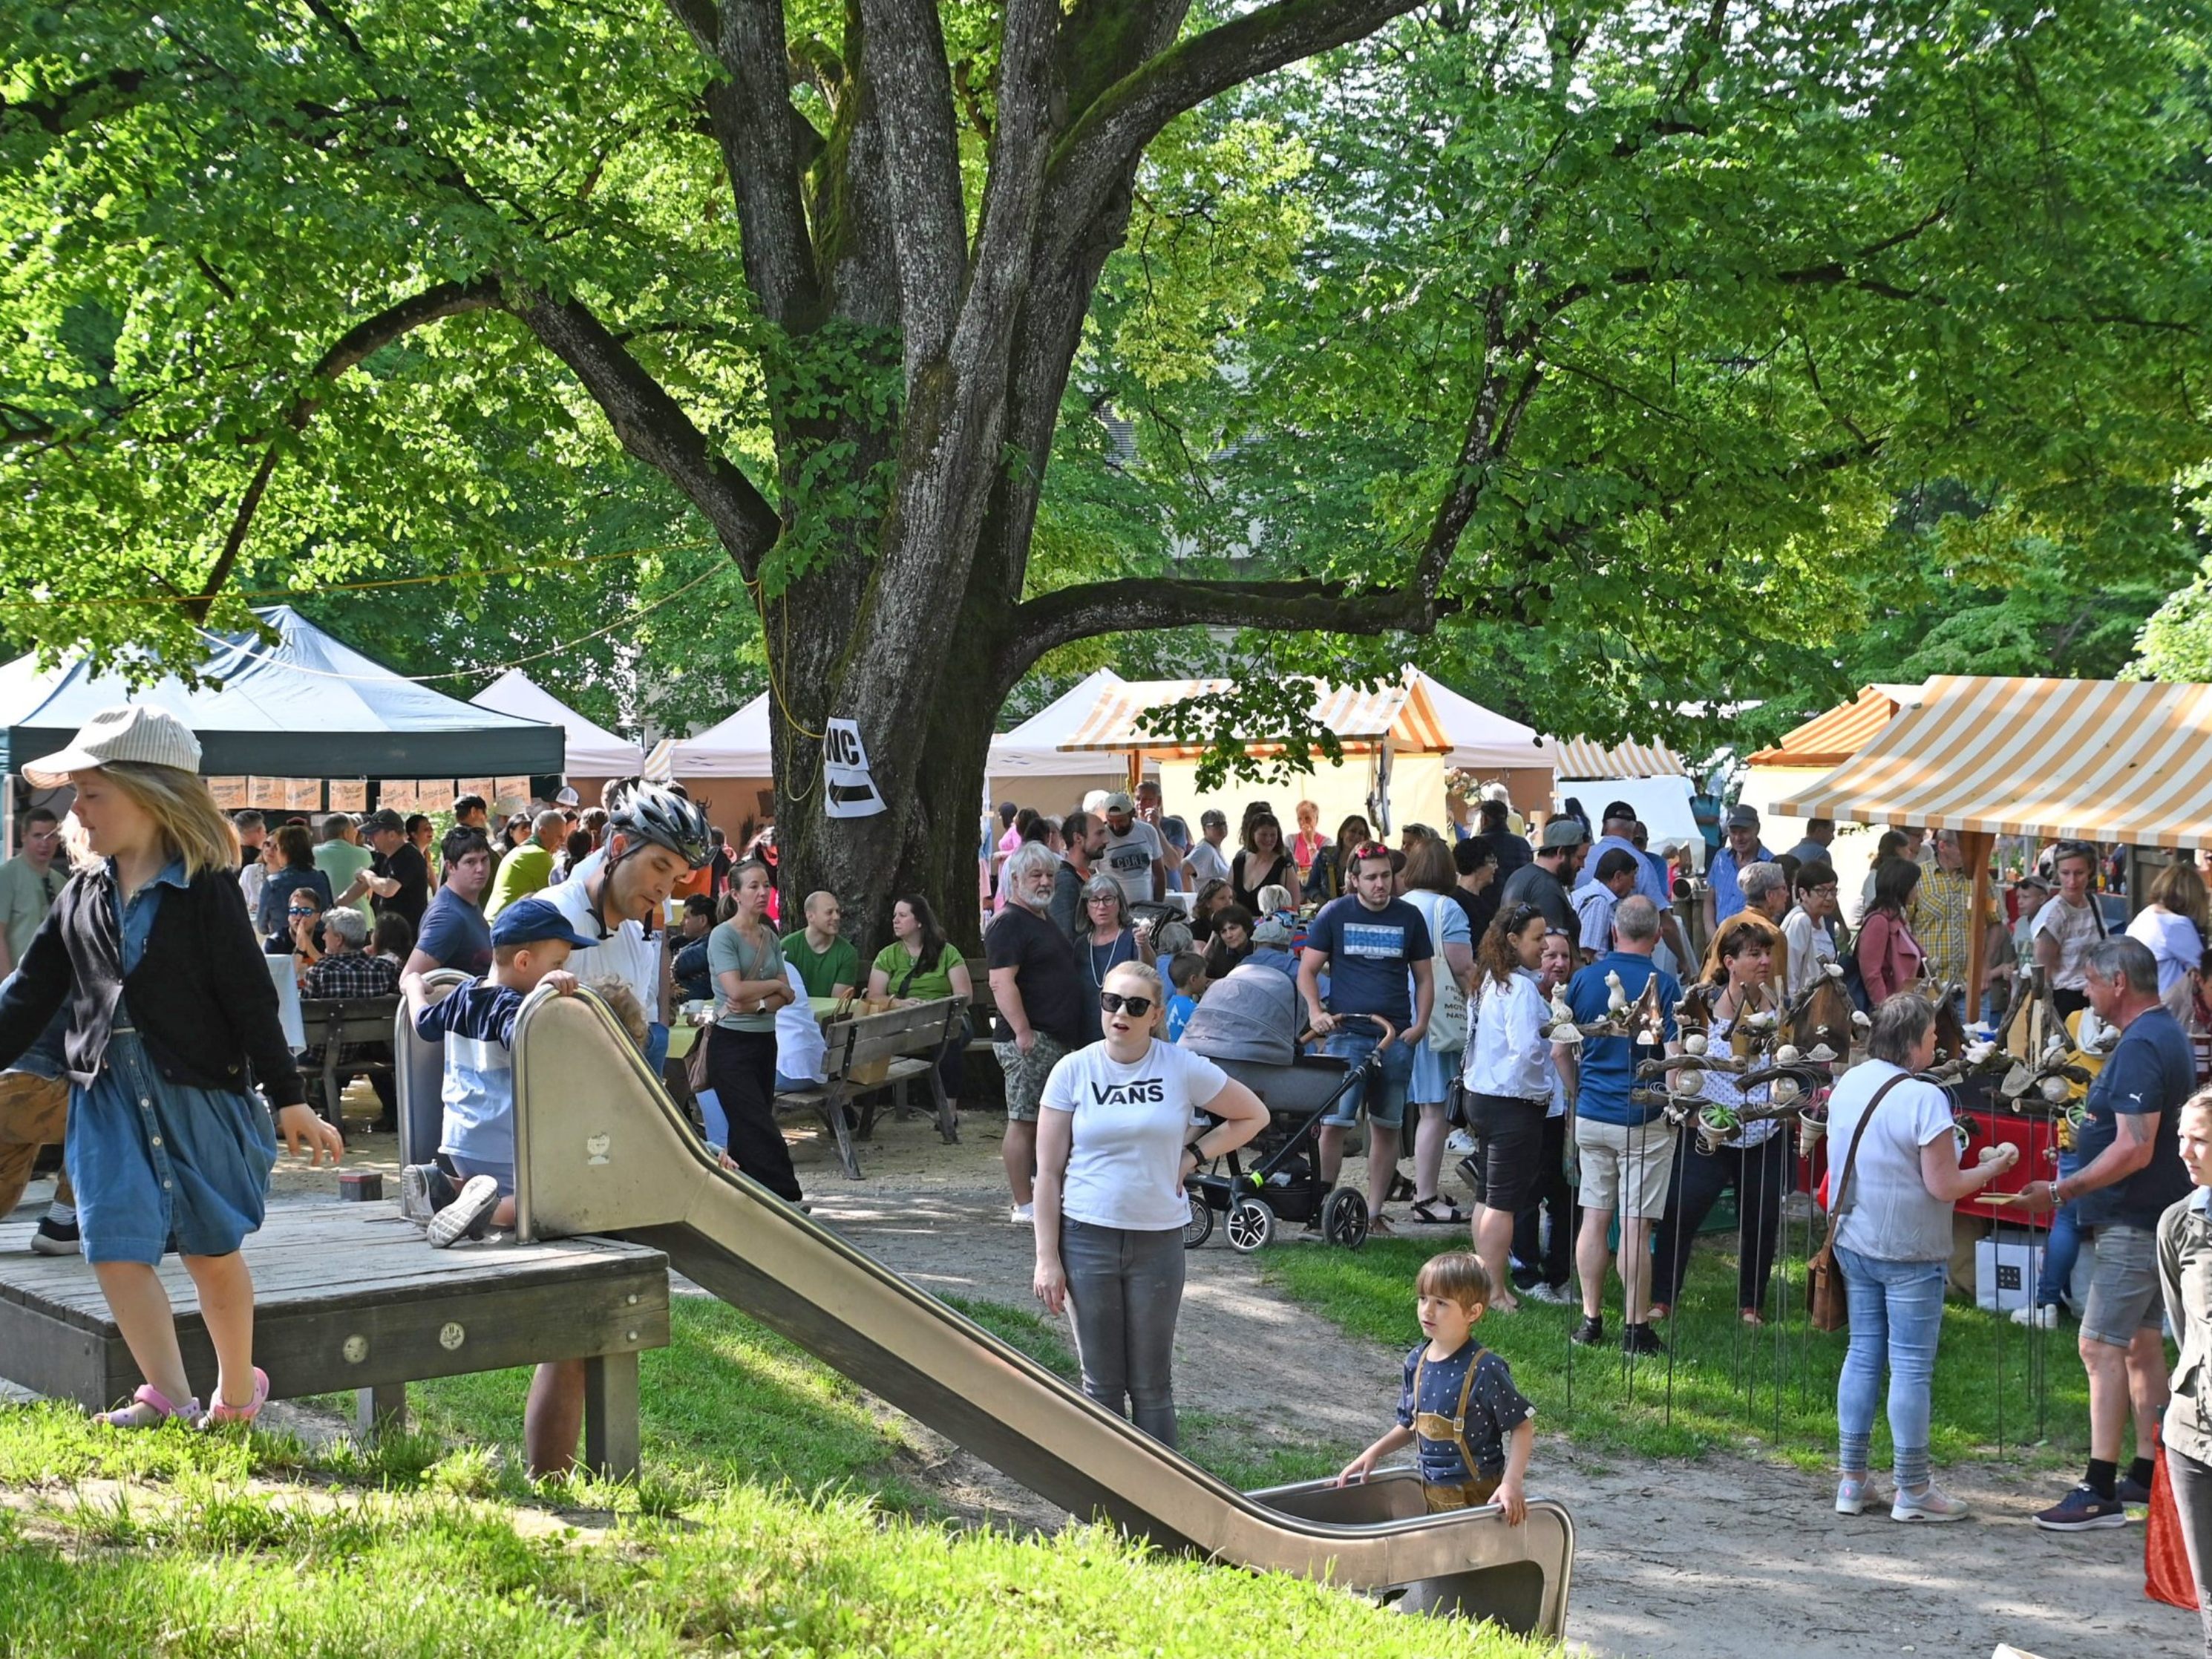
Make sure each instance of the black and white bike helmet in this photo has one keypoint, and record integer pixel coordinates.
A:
(654, 813)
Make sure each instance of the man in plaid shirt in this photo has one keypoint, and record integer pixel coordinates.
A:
(1942, 919)
(349, 971)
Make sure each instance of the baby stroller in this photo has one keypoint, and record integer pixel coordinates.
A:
(1248, 1025)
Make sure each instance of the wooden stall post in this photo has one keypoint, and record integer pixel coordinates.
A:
(1978, 846)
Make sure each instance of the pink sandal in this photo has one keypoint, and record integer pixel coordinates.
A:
(219, 1412)
(154, 1400)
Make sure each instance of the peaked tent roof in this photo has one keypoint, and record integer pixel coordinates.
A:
(735, 747)
(2102, 760)
(1033, 748)
(592, 751)
(1417, 713)
(1831, 738)
(1579, 758)
(307, 707)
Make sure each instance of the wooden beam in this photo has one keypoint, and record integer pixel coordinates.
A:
(1978, 846)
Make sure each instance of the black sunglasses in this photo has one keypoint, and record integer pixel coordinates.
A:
(1114, 1003)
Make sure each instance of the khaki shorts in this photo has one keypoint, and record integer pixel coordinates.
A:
(1626, 1169)
(2124, 1294)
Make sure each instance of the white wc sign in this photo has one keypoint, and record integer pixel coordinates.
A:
(847, 790)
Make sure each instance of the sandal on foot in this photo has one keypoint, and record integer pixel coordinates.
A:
(220, 1413)
(1378, 1226)
(148, 1399)
(1437, 1211)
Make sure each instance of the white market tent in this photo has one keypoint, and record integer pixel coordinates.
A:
(1029, 767)
(593, 751)
(737, 747)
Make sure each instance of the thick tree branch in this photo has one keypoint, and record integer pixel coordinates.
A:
(90, 99)
(904, 66)
(653, 425)
(1103, 145)
(1067, 614)
(364, 340)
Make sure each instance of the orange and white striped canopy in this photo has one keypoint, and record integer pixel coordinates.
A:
(1402, 712)
(1579, 758)
(2102, 760)
(1831, 738)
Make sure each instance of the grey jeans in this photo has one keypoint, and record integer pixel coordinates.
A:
(1124, 1291)
(2192, 1499)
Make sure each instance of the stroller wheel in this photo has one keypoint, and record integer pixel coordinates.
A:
(1199, 1227)
(1251, 1224)
(1344, 1218)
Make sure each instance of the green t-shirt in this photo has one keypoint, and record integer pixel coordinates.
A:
(729, 952)
(528, 869)
(341, 861)
(927, 984)
(25, 897)
(838, 965)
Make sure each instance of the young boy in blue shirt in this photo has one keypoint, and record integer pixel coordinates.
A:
(1186, 973)
(471, 1187)
(1473, 1432)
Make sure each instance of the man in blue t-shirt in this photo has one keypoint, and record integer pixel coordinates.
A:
(1626, 1152)
(2130, 1170)
(1376, 951)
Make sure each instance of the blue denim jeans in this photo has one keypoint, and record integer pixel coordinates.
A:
(2062, 1247)
(1897, 1315)
(1384, 1092)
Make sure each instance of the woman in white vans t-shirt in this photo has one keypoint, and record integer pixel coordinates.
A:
(1114, 1145)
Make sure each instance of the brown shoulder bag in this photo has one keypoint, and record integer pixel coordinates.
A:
(1825, 1299)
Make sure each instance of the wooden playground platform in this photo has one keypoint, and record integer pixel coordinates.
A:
(350, 1297)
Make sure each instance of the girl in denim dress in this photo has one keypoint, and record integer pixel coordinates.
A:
(166, 1146)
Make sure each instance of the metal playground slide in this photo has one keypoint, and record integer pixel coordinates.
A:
(601, 1148)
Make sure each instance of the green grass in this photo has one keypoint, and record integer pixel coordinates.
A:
(758, 1530)
(1732, 1386)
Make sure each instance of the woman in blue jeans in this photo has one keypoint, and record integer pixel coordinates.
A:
(1117, 1137)
(1891, 1209)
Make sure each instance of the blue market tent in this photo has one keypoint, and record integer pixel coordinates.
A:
(305, 707)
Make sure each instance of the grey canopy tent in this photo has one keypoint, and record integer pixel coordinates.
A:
(305, 706)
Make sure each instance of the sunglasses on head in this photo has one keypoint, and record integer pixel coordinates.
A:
(1113, 1002)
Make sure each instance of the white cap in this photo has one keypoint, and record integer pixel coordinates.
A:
(133, 732)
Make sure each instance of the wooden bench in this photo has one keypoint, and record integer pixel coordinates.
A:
(982, 1006)
(893, 1047)
(340, 1027)
(349, 1296)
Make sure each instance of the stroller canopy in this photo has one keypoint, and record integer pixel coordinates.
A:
(1252, 1015)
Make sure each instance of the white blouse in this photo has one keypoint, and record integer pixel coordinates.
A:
(1509, 1056)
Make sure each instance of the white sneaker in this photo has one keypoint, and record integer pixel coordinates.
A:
(479, 1198)
(1853, 1493)
(1459, 1142)
(1932, 1503)
(1557, 1295)
(1024, 1215)
(2043, 1318)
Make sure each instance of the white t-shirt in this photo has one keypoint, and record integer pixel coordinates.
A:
(1204, 862)
(1132, 1123)
(2076, 929)
(800, 1047)
(1812, 947)
(625, 954)
(2172, 941)
(1893, 1215)
(1130, 860)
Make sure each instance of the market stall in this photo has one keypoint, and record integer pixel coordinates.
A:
(2098, 760)
(1029, 767)
(1649, 776)
(1806, 754)
(594, 754)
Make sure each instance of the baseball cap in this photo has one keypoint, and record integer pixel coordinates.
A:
(384, 818)
(1270, 929)
(533, 921)
(1743, 817)
(1620, 810)
(1564, 831)
(137, 732)
(1120, 801)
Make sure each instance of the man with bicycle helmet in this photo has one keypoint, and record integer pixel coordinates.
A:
(655, 837)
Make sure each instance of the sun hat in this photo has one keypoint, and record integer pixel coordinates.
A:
(129, 732)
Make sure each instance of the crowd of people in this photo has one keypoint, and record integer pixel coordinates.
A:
(140, 994)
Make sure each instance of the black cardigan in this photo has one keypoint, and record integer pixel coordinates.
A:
(200, 997)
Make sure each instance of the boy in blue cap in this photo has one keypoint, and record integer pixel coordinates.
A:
(471, 1187)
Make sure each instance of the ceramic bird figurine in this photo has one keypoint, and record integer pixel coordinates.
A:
(1833, 970)
(1616, 999)
(1861, 1022)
